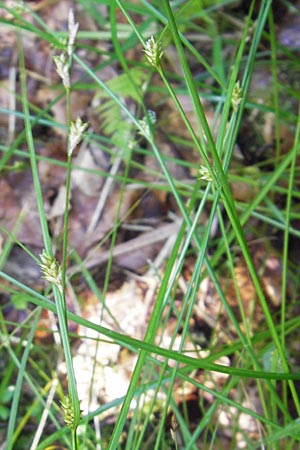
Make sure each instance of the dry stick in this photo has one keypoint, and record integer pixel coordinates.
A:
(145, 239)
(104, 194)
(163, 254)
(42, 421)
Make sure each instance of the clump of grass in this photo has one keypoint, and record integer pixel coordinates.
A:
(260, 358)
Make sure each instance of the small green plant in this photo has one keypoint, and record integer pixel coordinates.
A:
(5, 403)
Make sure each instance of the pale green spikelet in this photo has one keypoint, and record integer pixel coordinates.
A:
(51, 269)
(145, 124)
(173, 429)
(20, 7)
(204, 174)
(77, 128)
(237, 96)
(73, 29)
(62, 68)
(153, 52)
(68, 411)
(62, 61)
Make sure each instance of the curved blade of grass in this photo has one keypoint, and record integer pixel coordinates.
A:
(59, 298)
(10, 438)
(225, 189)
(137, 344)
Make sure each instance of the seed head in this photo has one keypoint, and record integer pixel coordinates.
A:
(62, 68)
(153, 52)
(73, 29)
(237, 96)
(204, 174)
(77, 129)
(51, 270)
(145, 124)
(68, 410)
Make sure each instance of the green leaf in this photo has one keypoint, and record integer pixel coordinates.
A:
(127, 84)
(20, 301)
(272, 361)
(114, 124)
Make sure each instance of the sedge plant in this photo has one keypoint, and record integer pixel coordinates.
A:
(165, 369)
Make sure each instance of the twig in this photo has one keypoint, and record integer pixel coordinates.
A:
(104, 194)
(145, 239)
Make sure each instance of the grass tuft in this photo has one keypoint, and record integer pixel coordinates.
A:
(216, 363)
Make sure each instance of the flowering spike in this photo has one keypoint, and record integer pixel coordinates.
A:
(62, 68)
(174, 428)
(145, 126)
(73, 29)
(77, 129)
(20, 7)
(153, 52)
(237, 96)
(152, 116)
(51, 270)
(68, 410)
(204, 174)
